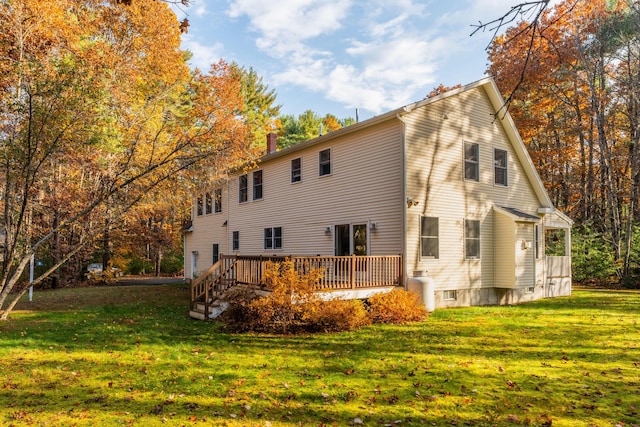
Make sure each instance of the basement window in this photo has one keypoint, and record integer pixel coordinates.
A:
(450, 295)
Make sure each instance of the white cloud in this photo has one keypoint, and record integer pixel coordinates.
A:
(283, 28)
(375, 56)
(203, 55)
(201, 9)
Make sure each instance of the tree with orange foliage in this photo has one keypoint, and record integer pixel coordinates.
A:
(97, 108)
(574, 89)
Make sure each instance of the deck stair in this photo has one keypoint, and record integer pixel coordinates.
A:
(208, 290)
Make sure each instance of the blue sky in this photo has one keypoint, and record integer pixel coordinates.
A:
(336, 56)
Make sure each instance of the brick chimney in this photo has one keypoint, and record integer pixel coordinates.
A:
(271, 142)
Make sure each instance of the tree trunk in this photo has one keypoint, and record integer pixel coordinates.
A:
(106, 241)
(158, 261)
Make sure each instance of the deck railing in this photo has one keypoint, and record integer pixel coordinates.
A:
(337, 272)
(217, 279)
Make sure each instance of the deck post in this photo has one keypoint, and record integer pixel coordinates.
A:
(352, 271)
(206, 300)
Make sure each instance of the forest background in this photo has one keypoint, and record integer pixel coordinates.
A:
(105, 133)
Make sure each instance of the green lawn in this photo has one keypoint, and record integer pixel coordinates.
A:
(131, 356)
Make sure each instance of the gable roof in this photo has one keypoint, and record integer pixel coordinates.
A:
(502, 115)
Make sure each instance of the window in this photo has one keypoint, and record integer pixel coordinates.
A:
(242, 189)
(236, 240)
(215, 250)
(257, 185)
(530, 290)
(296, 170)
(208, 203)
(429, 237)
(199, 206)
(325, 162)
(471, 161)
(471, 239)
(450, 295)
(500, 166)
(217, 200)
(273, 238)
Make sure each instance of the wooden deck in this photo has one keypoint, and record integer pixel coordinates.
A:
(338, 273)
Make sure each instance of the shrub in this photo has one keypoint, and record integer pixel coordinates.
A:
(239, 315)
(138, 266)
(172, 263)
(291, 306)
(397, 306)
(592, 258)
(292, 294)
(337, 315)
(282, 310)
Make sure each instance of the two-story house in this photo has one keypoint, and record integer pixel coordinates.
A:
(445, 182)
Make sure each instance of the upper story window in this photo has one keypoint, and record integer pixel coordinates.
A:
(500, 166)
(273, 238)
(199, 206)
(217, 200)
(471, 239)
(325, 162)
(296, 170)
(257, 185)
(242, 188)
(208, 203)
(429, 240)
(471, 161)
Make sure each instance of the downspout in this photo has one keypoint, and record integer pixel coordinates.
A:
(186, 259)
(229, 243)
(404, 197)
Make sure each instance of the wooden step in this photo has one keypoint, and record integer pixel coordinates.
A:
(197, 315)
(215, 309)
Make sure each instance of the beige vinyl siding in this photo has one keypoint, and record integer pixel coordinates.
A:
(365, 185)
(505, 246)
(202, 242)
(435, 157)
(525, 257)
